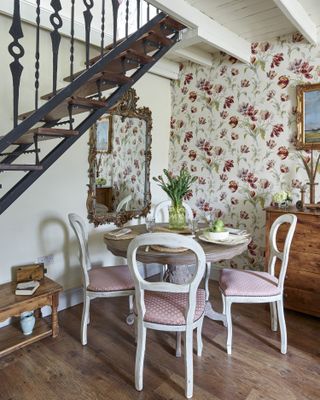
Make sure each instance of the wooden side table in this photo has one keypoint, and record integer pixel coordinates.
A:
(11, 337)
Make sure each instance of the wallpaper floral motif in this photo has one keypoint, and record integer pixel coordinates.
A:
(124, 168)
(233, 126)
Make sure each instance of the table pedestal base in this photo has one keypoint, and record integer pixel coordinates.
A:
(214, 315)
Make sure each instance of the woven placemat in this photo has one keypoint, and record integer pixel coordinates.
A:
(165, 249)
(127, 236)
(185, 231)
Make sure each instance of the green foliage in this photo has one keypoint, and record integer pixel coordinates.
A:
(217, 226)
(176, 187)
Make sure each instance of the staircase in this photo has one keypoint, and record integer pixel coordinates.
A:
(115, 70)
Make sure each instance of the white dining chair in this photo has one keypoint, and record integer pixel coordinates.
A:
(244, 286)
(161, 210)
(124, 203)
(167, 306)
(161, 215)
(113, 281)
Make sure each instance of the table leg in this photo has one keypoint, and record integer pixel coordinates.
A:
(54, 315)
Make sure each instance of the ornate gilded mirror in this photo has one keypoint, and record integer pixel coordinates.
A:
(119, 163)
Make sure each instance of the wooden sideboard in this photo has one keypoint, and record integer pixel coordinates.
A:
(104, 196)
(302, 281)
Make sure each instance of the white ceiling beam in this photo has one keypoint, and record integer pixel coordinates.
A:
(197, 56)
(188, 38)
(298, 16)
(209, 30)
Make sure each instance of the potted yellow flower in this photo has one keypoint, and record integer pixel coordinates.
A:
(176, 187)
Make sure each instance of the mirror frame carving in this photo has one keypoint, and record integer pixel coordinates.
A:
(126, 107)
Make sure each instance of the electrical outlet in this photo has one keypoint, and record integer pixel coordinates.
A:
(46, 260)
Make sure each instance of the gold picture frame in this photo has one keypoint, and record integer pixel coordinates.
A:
(103, 129)
(308, 117)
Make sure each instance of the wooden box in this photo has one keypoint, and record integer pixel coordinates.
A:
(302, 281)
(30, 272)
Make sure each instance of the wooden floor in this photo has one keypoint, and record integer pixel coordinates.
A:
(62, 369)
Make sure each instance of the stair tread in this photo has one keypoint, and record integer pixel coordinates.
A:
(136, 51)
(44, 134)
(114, 66)
(87, 90)
(59, 112)
(20, 167)
(90, 103)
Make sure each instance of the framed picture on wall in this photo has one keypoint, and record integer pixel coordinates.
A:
(308, 116)
(104, 134)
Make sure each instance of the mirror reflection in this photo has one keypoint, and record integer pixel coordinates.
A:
(119, 164)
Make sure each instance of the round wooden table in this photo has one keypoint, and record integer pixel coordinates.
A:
(213, 252)
(177, 261)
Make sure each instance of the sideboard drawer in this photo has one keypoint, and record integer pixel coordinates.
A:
(302, 300)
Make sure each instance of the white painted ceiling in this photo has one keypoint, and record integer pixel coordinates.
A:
(241, 21)
(254, 20)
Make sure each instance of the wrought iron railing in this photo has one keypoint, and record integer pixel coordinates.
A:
(126, 17)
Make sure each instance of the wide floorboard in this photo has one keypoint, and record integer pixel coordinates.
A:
(104, 369)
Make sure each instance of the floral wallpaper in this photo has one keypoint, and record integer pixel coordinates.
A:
(124, 168)
(234, 125)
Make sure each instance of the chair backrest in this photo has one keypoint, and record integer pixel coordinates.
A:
(163, 208)
(169, 240)
(124, 203)
(79, 228)
(274, 252)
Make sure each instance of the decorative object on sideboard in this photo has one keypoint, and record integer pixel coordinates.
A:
(282, 199)
(311, 170)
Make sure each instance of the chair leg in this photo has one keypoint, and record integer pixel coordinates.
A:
(206, 282)
(188, 360)
(273, 314)
(140, 352)
(228, 304)
(178, 344)
(224, 308)
(283, 329)
(84, 320)
(199, 339)
(130, 317)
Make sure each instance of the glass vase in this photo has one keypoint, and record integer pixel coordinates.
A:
(177, 216)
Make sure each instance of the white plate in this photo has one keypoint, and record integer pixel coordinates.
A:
(232, 240)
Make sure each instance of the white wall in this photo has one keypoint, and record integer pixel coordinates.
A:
(36, 224)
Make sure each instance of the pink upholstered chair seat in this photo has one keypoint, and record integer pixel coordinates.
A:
(107, 279)
(248, 283)
(170, 308)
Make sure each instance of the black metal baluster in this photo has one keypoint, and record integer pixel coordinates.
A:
(103, 12)
(138, 13)
(87, 21)
(115, 8)
(72, 40)
(16, 51)
(37, 55)
(56, 22)
(127, 18)
(148, 12)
